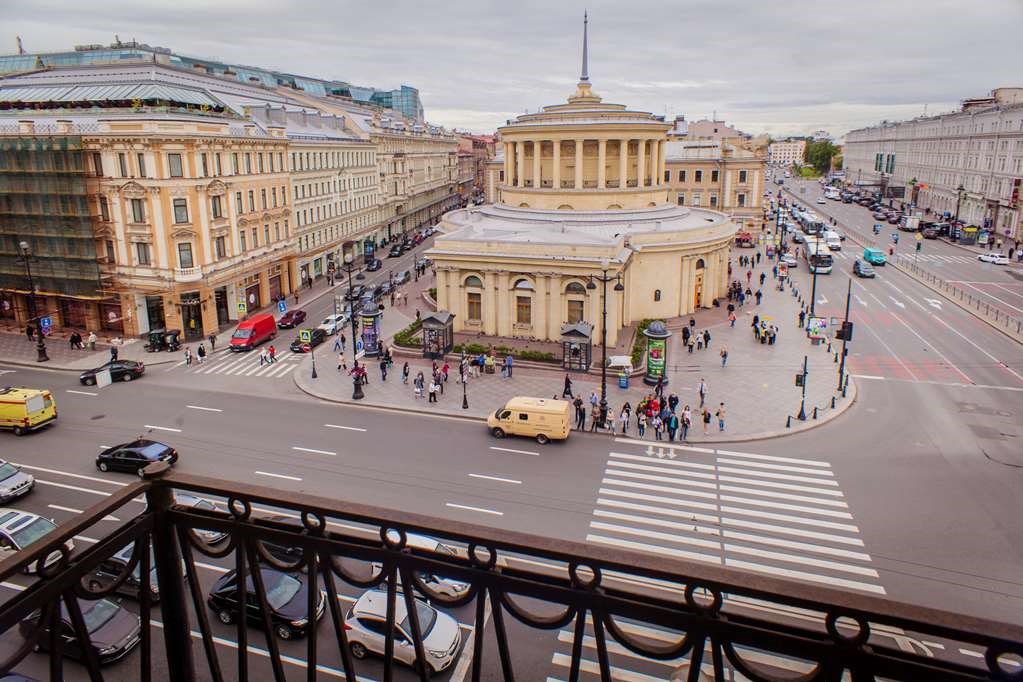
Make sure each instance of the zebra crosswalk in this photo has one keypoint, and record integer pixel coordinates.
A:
(853, 254)
(242, 364)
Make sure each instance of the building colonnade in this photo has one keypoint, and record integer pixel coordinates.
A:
(562, 163)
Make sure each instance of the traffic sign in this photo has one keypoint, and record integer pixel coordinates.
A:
(45, 323)
(242, 308)
(305, 335)
(282, 306)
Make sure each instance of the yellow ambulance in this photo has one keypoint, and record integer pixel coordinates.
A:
(26, 409)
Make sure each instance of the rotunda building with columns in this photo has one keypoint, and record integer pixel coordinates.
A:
(581, 195)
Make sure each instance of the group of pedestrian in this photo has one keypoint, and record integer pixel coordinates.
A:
(694, 338)
(268, 355)
(763, 332)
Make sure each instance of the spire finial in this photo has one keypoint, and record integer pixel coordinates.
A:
(585, 77)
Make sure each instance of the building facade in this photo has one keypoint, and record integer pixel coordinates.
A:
(710, 129)
(969, 162)
(580, 192)
(786, 152)
(716, 175)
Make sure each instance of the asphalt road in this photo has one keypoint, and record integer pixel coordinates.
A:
(912, 494)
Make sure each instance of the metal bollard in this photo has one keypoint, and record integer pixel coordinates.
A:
(836, 358)
(829, 346)
(815, 413)
(788, 422)
(845, 387)
(832, 402)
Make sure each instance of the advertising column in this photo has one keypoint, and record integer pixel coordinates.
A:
(657, 336)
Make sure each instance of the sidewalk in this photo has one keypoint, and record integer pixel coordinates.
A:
(757, 385)
(16, 349)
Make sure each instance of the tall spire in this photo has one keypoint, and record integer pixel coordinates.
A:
(585, 77)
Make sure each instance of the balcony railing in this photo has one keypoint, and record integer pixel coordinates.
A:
(696, 621)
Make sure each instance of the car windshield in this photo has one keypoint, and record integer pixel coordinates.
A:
(280, 588)
(427, 617)
(26, 535)
(241, 334)
(101, 612)
(7, 470)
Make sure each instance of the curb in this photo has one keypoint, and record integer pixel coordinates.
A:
(808, 425)
(64, 368)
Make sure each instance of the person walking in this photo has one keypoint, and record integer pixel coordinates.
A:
(802, 318)
(659, 388)
(724, 355)
(264, 359)
(658, 426)
(580, 414)
(273, 354)
(731, 319)
(706, 339)
(626, 416)
(594, 399)
(686, 422)
(720, 414)
(201, 353)
(594, 419)
(383, 370)
(763, 278)
(341, 362)
(567, 391)
(691, 343)
(404, 373)
(212, 338)
(641, 420)
(759, 295)
(337, 344)
(508, 366)
(706, 421)
(418, 384)
(758, 258)
(113, 353)
(92, 340)
(672, 427)
(30, 332)
(703, 391)
(433, 390)
(188, 356)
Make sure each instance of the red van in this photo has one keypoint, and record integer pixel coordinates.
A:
(253, 331)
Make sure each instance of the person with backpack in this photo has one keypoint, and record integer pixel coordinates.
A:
(672, 426)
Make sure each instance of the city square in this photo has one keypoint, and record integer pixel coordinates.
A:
(538, 378)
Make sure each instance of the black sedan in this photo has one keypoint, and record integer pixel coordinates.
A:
(133, 457)
(286, 595)
(109, 569)
(316, 337)
(113, 630)
(355, 293)
(120, 370)
(374, 265)
(395, 251)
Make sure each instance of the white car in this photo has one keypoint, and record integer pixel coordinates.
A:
(333, 323)
(996, 258)
(448, 587)
(19, 529)
(790, 260)
(366, 624)
(821, 200)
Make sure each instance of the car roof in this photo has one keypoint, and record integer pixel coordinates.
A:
(16, 519)
(374, 603)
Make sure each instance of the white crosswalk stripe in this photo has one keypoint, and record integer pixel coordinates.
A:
(779, 516)
(243, 364)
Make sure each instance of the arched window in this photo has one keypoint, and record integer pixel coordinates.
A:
(575, 288)
(657, 294)
(614, 207)
(523, 205)
(565, 207)
(523, 285)
(651, 205)
(699, 264)
(473, 281)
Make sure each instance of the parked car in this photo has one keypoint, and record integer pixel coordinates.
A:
(286, 595)
(109, 569)
(291, 319)
(880, 215)
(374, 265)
(449, 587)
(355, 293)
(316, 337)
(862, 268)
(19, 529)
(135, 456)
(253, 331)
(996, 258)
(366, 624)
(894, 219)
(403, 277)
(797, 237)
(13, 481)
(821, 200)
(333, 323)
(210, 537)
(395, 251)
(120, 370)
(113, 630)
(381, 290)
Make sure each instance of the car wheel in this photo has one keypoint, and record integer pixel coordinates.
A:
(89, 381)
(127, 377)
(103, 466)
(284, 632)
(542, 438)
(19, 431)
(358, 650)
(498, 432)
(225, 616)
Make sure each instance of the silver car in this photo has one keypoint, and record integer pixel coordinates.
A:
(367, 626)
(445, 586)
(211, 537)
(13, 481)
(19, 529)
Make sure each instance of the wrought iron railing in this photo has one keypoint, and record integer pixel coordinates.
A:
(707, 622)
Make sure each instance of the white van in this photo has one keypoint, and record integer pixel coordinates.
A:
(833, 241)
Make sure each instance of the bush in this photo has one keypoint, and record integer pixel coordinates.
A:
(537, 356)
(407, 336)
(432, 291)
(639, 345)
(470, 348)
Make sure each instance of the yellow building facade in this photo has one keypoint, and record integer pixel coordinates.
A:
(578, 192)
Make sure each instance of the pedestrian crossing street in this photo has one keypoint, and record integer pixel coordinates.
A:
(227, 363)
(781, 516)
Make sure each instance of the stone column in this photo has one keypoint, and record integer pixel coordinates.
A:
(203, 257)
(686, 286)
(556, 174)
(520, 161)
(579, 164)
(509, 163)
(601, 162)
(641, 164)
(541, 301)
(726, 200)
(554, 306)
(490, 303)
(505, 306)
(623, 163)
(662, 150)
(158, 247)
(655, 164)
(537, 150)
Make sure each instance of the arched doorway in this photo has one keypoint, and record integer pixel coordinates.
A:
(698, 285)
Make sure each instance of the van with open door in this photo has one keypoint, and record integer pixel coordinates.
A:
(539, 418)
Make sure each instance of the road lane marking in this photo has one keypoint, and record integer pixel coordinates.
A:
(775, 467)
(162, 428)
(803, 575)
(496, 478)
(518, 452)
(97, 479)
(992, 296)
(80, 392)
(869, 376)
(72, 510)
(647, 443)
(346, 428)
(653, 549)
(314, 451)
(934, 348)
(773, 458)
(475, 509)
(970, 341)
(667, 462)
(204, 409)
(288, 478)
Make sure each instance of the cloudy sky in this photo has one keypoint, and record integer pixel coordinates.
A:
(782, 67)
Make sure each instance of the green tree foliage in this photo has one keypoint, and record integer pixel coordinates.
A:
(818, 155)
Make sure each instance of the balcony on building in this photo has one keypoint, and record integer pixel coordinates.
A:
(188, 274)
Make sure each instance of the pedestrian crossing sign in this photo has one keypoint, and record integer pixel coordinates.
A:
(305, 335)
(242, 307)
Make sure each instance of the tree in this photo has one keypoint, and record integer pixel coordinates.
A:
(818, 155)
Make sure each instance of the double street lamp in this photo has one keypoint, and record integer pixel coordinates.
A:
(349, 267)
(26, 259)
(604, 278)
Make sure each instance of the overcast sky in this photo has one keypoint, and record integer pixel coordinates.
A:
(782, 67)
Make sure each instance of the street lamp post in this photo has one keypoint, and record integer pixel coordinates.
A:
(959, 199)
(604, 278)
(465, 397)
(26, 258)
(802, 401)
(349, 266)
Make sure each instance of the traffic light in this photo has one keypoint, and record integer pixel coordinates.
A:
(799, 379)
(845, 332)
